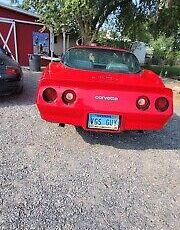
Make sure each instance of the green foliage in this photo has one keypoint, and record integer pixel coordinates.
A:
(165, 71)
(166, 21)
(149, 19)
(86, 16)
(137, 20)
(133, 23)
(163, 50)
(114, 42)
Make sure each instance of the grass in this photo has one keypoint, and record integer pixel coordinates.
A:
(165, 71)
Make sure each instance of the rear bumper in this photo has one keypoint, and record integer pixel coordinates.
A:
(8, 87)
(128, 121)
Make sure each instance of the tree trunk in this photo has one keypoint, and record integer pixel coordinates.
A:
(86, 39)
(88, 36)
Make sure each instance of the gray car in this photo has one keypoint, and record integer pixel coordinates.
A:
(11, 76)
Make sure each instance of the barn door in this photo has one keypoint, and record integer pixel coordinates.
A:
(6, 38)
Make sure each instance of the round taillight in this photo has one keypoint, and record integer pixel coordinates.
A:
(69, 97)
(143, 103)
(161, 104)
(12, 70)
(49, 95)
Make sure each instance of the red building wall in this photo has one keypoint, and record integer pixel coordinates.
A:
(25, 41)
(8, 13)
(24, 33)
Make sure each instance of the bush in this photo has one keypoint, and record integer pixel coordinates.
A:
(164, 51)
(165, 71)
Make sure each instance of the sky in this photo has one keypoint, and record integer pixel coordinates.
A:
(7, 1)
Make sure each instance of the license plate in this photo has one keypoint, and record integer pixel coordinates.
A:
(102, 121)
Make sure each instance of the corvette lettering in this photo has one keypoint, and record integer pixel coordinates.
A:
(106, 98)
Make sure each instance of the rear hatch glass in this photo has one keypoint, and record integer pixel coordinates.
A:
(105, 60)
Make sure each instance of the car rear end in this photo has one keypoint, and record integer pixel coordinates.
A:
(101, 102)
(11, 80)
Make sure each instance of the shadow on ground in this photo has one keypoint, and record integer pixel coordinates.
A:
(28, 96)
(167, 138)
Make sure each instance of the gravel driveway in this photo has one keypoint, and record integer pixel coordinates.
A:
(64, 178)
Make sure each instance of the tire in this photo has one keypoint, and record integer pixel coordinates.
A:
(20, 90)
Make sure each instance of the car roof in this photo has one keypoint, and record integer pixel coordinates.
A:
(100, 47)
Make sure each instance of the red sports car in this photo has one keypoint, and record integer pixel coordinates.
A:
(103, 89)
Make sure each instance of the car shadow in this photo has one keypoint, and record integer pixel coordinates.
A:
(167, 138)
(28, 95)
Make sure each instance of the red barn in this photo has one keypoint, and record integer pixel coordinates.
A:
(17, 27)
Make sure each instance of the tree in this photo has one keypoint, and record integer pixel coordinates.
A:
(149, 19)
(86, 16)
(162, 47)
(135, 19)
(157, 23)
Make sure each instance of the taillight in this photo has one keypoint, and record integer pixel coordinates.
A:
(161, 104)
(49, 95)
(12, 70)
(143, 103)
(69, 96)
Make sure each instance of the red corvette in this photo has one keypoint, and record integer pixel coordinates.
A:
(103, 89)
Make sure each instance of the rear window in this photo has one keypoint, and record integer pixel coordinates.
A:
(102, 60)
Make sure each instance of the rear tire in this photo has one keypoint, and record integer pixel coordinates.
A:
(61, 125)
(20, 90)
(140, 131)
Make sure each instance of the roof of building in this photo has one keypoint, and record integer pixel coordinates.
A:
(19, 10)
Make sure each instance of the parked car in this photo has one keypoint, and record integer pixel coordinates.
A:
(11, 76)
(103, 89)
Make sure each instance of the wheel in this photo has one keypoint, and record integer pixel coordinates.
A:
(61, 125)
(20, 90)
(140, 131)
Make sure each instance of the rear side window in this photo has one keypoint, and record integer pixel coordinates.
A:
(102, 60)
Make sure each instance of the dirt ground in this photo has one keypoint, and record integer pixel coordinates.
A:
(170, 83)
